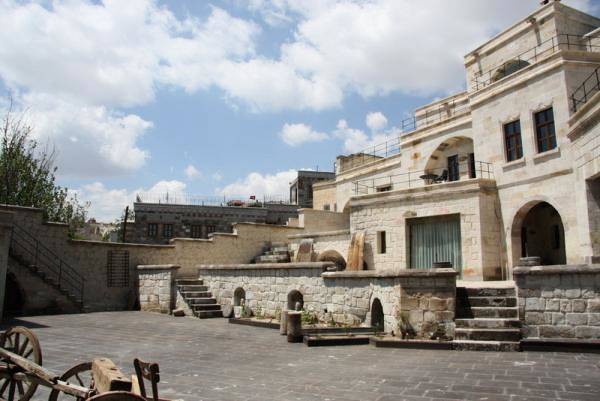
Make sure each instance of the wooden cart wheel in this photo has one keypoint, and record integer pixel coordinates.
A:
(117, 396)
(80, 375)
(23, 342)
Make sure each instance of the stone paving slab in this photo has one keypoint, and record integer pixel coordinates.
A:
(213, 360)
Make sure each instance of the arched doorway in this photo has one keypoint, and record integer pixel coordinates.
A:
(294, 299)
(452, 160)
(377, 317)
(331, 255)
(538, 231)
(238, 295)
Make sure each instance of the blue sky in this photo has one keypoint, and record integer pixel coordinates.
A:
(229, 97)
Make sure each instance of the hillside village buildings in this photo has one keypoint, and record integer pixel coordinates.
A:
(504, 174)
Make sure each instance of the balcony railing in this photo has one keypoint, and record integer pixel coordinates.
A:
(421, 178)
(588, 88)
(199, 200)
(392, 146)
(528, 57)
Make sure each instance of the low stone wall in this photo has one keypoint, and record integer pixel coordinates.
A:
(338, 241)
(559, 301)
(419, 299)
(156, 285)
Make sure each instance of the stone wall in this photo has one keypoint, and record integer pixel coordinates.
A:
(473, 201)
(338, 241)
(156, 285)
(421, 297)
(321, 220)
(90, 258)
(559, 301)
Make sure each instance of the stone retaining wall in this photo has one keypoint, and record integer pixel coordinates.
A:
(156, 285)
(420, 298)
(559, 301)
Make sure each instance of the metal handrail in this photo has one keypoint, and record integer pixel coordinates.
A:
(556, 43)
(419, 178)
(586, 90)
(391, 147)
(47, 261)
(200, 200)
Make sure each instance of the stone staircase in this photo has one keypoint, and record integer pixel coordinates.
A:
(487, 319)
(276, 252)
(198, 298)
(28, 252)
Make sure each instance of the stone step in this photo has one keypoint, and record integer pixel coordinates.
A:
(206, 307)
(280, 250)
(196, 294)
(278, 245)
(200, 301)
(498, 346)
(193, 288)
(189, 281)
(505, 334)
(273, 259)
(206, 314)
(497, 312)
(491, 292)
(487, 323)
(492, 301)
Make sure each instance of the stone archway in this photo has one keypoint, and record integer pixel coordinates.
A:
(452, 160)
(295, 297)
(238, 295)
(538, 230)
(331, 255)
(377, 316)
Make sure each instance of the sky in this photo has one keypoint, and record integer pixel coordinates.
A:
(228, 97)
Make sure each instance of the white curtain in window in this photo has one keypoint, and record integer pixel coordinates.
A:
(435, 240)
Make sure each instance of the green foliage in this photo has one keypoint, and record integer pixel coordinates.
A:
(404, 327)
(309, 317)
(27, 176)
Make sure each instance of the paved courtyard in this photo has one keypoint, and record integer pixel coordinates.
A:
(214, 360)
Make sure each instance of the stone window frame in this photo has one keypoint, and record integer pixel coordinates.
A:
(381, 242)
(541, 108)
(196, 231)
(167, 230)
(501, 124)
(152, 230)
(518, 148)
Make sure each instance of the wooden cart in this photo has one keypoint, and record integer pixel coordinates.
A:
(21, 373)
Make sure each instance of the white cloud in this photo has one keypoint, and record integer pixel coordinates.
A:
(90, 141)
(107, 204)
(217, 176)
(356, 140)
(297, 134)
(192, 173)
(376, 121)
(77, 64)
(277, 185)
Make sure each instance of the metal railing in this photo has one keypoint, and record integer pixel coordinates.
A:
(422, 178)
(588, 88)
(391, 147)
(32, 251)
(200, 200)
(563, 41)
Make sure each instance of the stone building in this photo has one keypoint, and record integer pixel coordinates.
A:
(507, 169)
(157, 223)
(301, 189)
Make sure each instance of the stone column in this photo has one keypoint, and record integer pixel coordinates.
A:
(294, 327)
(156, 285)
(5, 233)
